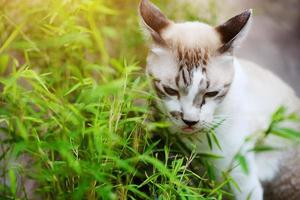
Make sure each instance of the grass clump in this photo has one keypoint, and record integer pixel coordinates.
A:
(75, 117)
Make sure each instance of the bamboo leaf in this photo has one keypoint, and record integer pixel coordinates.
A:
(243, 163)
(285, 133)
(209, 155)
(209, 141)
(215, 138)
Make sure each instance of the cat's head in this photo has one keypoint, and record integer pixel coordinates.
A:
(191, 64)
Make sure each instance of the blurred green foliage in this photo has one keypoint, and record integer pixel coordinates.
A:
(74, 114)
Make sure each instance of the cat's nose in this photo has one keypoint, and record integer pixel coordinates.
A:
(190, 123)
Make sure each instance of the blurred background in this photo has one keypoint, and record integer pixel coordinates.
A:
(274, 40)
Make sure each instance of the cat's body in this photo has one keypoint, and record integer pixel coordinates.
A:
(244, 116)
(199, 82)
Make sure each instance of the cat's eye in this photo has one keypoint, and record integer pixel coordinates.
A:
(171, 91)
(211, 94)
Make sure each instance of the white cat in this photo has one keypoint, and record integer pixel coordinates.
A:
(199, 81)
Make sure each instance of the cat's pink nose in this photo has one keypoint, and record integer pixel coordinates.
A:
(190, 123)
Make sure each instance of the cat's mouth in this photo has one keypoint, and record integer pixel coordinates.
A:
(189, 129)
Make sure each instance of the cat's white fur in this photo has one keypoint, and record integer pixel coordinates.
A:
(254, 95)
(191, 34)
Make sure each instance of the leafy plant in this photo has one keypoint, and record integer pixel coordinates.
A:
(75, 118)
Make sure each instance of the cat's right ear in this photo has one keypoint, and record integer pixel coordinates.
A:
(234, 31)
(153, 20)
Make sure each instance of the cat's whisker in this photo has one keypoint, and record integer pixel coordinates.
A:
(223, 116)
(207, 125)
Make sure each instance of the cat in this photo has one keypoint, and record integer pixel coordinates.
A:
(199, 81)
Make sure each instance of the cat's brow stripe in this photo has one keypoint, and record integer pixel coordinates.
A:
(207, 84)
(177, 80)
(205, 74)
(183, 76)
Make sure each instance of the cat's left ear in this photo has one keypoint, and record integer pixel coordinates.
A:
(234, 31)
(153, 20)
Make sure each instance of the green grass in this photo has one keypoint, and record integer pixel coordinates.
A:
(75, 116)
(75, 107)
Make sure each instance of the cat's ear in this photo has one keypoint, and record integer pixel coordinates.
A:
(234, 31)
(153, 20)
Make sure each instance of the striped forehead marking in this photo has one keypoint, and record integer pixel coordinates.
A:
(192, 57)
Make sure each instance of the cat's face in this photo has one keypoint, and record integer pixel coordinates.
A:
(190, 65)
(190, 89)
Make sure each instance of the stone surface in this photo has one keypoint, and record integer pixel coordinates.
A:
(286, 185)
